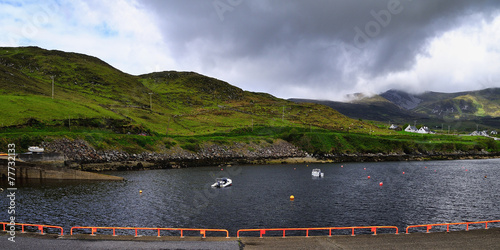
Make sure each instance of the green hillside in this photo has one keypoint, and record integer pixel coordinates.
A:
(113, 110)
(92, 97)
(461, 105)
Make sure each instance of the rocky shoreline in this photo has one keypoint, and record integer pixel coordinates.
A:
(78, 154)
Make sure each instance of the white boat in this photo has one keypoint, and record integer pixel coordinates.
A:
(222, 182)
(35, 149)
(317, 173)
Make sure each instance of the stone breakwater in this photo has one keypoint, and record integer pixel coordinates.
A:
(81, 155)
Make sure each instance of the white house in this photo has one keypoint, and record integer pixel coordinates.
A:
(411, 129)
(393, 126)
(425, 130)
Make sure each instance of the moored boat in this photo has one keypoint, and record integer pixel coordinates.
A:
(36, 149)
(222, 182)
(317, 173)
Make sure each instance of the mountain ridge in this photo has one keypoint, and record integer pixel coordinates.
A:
(478, 107)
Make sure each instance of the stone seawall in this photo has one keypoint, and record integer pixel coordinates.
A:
(78, 154)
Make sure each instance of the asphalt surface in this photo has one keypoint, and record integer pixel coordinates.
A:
(35, 242)
(474, 239)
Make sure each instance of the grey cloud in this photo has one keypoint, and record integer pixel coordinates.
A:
(310, 42)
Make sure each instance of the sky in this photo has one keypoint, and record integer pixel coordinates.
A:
(289, 48)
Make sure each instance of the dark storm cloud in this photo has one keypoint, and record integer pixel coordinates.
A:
(307, 43)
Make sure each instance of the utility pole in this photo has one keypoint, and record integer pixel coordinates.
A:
(168, 125)
(283, 115)
(150, 101)
(52, 77)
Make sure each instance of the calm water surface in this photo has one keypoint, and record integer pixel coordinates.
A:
(428, 192)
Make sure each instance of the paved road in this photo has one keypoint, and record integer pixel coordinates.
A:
(29, 242)
(474, 239)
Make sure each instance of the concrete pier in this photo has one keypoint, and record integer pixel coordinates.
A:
(24, 170)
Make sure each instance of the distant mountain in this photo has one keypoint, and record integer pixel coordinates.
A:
(369, 110)
(468, 108)
(402, 99)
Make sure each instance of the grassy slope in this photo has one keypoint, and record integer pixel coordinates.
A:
(96, 102)
(465, 104)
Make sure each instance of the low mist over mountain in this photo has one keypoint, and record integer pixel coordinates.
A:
(481, 107)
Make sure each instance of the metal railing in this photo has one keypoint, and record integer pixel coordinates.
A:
(39, 226)
(429, 226)
(202, 231)
(264, 230)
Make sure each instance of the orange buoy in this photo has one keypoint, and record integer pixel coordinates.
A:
(364, 168)
(342, 166)
(403, 172)
(381, 184)
(292, 197)
(369, 177)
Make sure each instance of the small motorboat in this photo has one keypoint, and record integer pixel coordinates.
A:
(222, 182)
(35, 149)
(317, 173)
